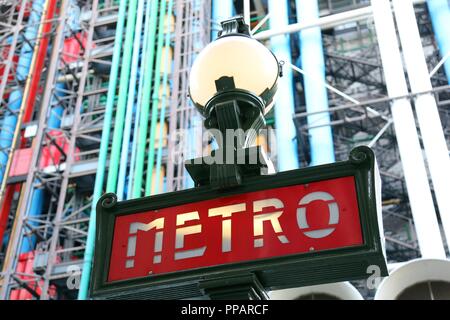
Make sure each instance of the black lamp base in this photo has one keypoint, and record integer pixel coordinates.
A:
(239, 287)
(248, 162)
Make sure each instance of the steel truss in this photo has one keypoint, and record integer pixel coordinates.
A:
(192, 33)
(61, 229)
(353, 66)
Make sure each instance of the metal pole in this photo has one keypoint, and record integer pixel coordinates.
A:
(70, 156)
(416, 179)
(328, 21)
(221, 10)
(323, 22)
(287, 157)
(138, 103)
(426, 108)
(114, 161)
(155, 100)
(101, 167)
(143, 121)
(162, 116)
(247, 12)
(440, 18)
(27, 191)
(130, 103)
(313, 62)
(12, 48)
(16, 101)
(175, 102)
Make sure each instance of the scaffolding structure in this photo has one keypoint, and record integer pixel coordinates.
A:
(46, 207)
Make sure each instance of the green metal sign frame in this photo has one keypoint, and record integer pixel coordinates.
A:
(297, 270)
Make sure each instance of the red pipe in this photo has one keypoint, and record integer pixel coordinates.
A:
(6, 208)
(40, 59)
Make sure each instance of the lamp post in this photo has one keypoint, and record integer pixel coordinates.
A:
(233, 83)
(240, 233)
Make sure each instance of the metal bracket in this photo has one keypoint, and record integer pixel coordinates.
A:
(237, 287)
(248, 162)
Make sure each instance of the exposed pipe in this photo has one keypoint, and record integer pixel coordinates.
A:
(37, 202)
(27, 99)
(111, 184)
(155, 99)
(32, 79)
(26, 59)
(8, 254)
(130, 103)
(440, 18)
(162, 116)
(426, 108)
(101, 166)
(5, 208)
(38, 195)
(323, 22)
(143, 120)
(42, 53)
(23, 211)
(221, 10)
(138, 104)
(287, 156)
(312, 60)
(56, 112)
(247, 13)
(419, 193)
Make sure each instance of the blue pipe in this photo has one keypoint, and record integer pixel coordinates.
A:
(56, 112)
(138, 103)
(53, 122)
(221, 10)
(15, 97)
(287, 155)
(130, 103)
(440, 18)
(312, 60)
(37, 203)
(38, 195)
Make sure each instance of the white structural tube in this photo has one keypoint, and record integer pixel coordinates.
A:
(323, 22)
(419, 193)
(426, 108)
(247, 13)
(412, 273)
(339, 290)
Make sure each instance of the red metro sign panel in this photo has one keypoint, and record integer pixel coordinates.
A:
(296, 228)
(263, 224)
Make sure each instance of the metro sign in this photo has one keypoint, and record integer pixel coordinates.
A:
(313, 225)
(262, 224)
